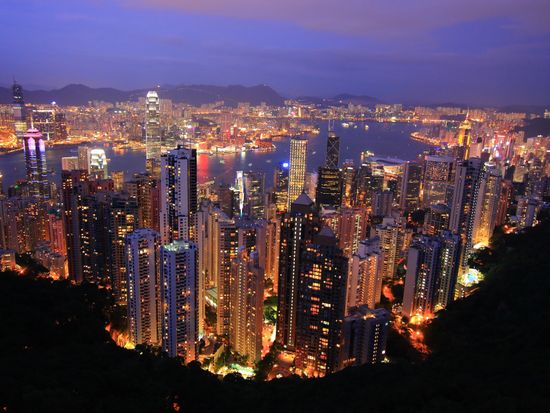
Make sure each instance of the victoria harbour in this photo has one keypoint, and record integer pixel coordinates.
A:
(388, 139)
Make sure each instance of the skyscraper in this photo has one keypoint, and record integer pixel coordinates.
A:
(464, 138)
(432, 269)
(365, 333)
(438, 180)
(297, 168)
(329, 188)
(254, 191)
(436, 219)
(98, 164)
(486, 211)
(280, 186)
(179, 289)
(409, 195)
(464, 204)
(247, 294)
(144, 304)
(178, 194)
(365, 275)
(321, 305)
(297, 229)
(333, 150)
(152, 126)
(35, 162)
(19, 111)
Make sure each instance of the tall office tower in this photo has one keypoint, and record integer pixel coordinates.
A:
(464, 204)
(365, 332)
(247, 295)
(464, 138)
(178, 194)
(152, 127)
(297, 169)
(98, 164)
(365, 275)
(297, 229)
(225, 247)
(254, 192)
(437, 219)
(35, 163)
(146, 190)
(438, 180)
(506, 194)
(179, 285)
(84, 157)
(71, 194)
(69, 163)
(280, 186)
(409, 194)
(432, 269)
(321, 305)
(382, 203)
(486, 211)
(395, 239)
(44, 121)
(329, 190)
(526, 211)
(333, 150)
(19, 111)
(144, 304)
(349, 184)
(118, 181)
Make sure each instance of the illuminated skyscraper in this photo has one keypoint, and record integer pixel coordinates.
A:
(297, 230)
(152, 126)
(432, 268)
(329, 188)
(486, 211)
(409, 195)
(178, 194)
(365, 333)
(19, 111)
(247, 294)
(98, 164)
(143, 268)
(438, 180)
(464, 138)
(365, 275)
(179, 290)
(297, 171)
(437, 219)
(35, 163)
(321, 305)
(280, 186)
(464, 205)
(254, 191)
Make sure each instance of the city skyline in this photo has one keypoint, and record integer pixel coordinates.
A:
(490, 54)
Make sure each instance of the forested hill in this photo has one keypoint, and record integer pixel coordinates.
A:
(490, 353)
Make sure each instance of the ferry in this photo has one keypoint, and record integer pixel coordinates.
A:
(345, 125)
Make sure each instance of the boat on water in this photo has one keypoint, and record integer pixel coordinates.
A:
(366, 127)
(345, 125)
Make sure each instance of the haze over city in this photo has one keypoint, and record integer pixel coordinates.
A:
(494, 52)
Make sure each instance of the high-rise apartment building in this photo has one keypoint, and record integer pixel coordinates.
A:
(143, 271)
(178, 194)
(179, 290)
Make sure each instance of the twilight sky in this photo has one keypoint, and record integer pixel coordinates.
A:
(472, 51)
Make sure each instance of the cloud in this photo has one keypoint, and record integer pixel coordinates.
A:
(375, 18)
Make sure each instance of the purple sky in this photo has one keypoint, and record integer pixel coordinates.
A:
(471, 51)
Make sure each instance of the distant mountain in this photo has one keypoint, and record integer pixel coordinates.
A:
(76, 94)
